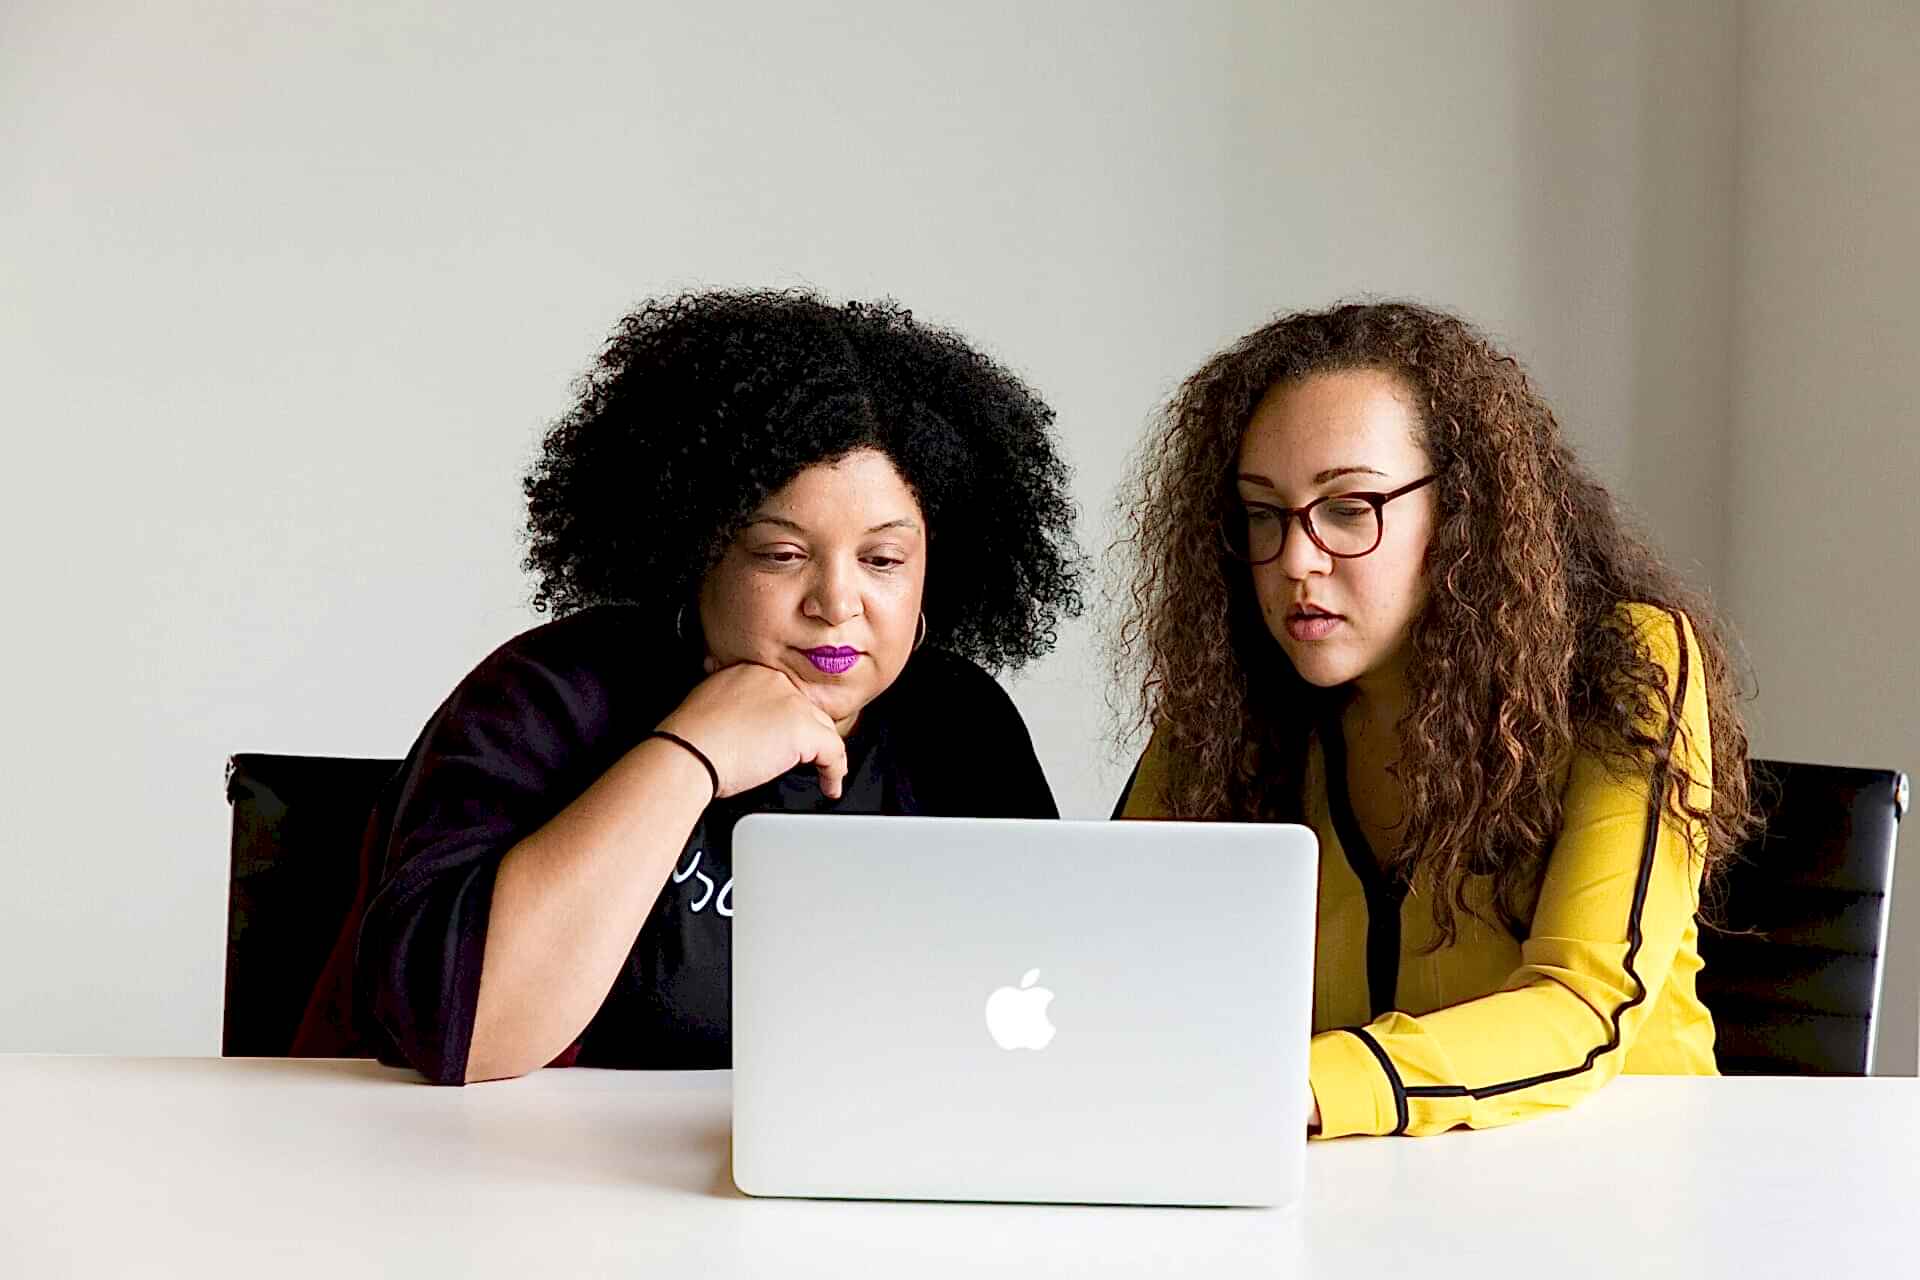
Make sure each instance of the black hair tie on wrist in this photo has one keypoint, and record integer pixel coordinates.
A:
(696, 753)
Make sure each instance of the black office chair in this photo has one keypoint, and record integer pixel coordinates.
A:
(1793, 970)
(298, 822)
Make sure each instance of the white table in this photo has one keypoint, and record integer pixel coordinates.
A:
(191, 1166)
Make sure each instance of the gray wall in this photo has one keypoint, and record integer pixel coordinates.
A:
(1823, 491)
(292, 293)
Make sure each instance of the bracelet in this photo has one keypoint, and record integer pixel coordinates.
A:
(697, 753)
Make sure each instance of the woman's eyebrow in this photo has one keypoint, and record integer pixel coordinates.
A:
(904, 522)
(1334, 473)
(1331, 473)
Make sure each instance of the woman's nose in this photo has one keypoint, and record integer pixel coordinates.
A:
(832, 596)
(1300, 555)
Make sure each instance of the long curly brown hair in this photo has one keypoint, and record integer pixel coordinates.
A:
(1517, 658)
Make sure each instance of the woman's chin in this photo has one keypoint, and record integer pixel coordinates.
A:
(1316, 666)
(841, 694)
(842, 703)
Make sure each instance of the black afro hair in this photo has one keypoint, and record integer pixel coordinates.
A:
(702, 405)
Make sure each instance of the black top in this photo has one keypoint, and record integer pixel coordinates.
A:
(540, 720)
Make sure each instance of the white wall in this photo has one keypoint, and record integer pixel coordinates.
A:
(1560, 173)
(290, 295)
(292, 292)
(1824, 490)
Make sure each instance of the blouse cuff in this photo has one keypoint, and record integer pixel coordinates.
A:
(1352, 1090)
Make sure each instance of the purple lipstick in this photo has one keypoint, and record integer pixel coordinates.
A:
(835, 660)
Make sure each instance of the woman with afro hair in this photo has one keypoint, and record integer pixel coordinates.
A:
(1376, 594)
(785, 542)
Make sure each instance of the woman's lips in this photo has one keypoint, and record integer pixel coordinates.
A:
(834, 660)
(1312, 625)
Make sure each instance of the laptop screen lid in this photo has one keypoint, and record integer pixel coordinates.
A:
(1021, 1010)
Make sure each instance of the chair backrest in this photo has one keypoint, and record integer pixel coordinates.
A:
(1795, 958)
(297, 827)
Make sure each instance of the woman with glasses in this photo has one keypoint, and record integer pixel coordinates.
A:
(1374, 592)
(785, 541)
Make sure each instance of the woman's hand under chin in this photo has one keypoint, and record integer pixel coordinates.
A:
(755, 723)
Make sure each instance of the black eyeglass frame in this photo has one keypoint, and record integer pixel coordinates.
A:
(1305, 515)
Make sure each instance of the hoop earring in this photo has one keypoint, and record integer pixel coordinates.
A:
(680, 623)
(920, 632)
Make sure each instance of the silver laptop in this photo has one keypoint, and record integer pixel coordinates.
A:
(994, 1009)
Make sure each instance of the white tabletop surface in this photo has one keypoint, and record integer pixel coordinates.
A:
(259, 1167)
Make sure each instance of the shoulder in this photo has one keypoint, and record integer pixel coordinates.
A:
(585, 641)
(572, 678)
(946, 708)
(1665, 635)
(953, 725)
(1145, 795)
(1681, 712)
(1665, 629)
(934, 679)
(603, 651)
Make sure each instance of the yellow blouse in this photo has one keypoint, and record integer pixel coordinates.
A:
(1489, 1030)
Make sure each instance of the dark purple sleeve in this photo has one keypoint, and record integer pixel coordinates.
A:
(511, 747)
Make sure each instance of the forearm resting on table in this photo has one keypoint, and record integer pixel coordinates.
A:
(568, 902)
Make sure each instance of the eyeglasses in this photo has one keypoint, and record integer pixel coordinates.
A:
(1349, 525)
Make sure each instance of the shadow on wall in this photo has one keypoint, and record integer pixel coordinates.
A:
(1626, 119)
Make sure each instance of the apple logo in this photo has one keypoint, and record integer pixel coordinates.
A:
(1017, 1018)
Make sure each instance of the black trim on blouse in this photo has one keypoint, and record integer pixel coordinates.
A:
(1384, 893)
